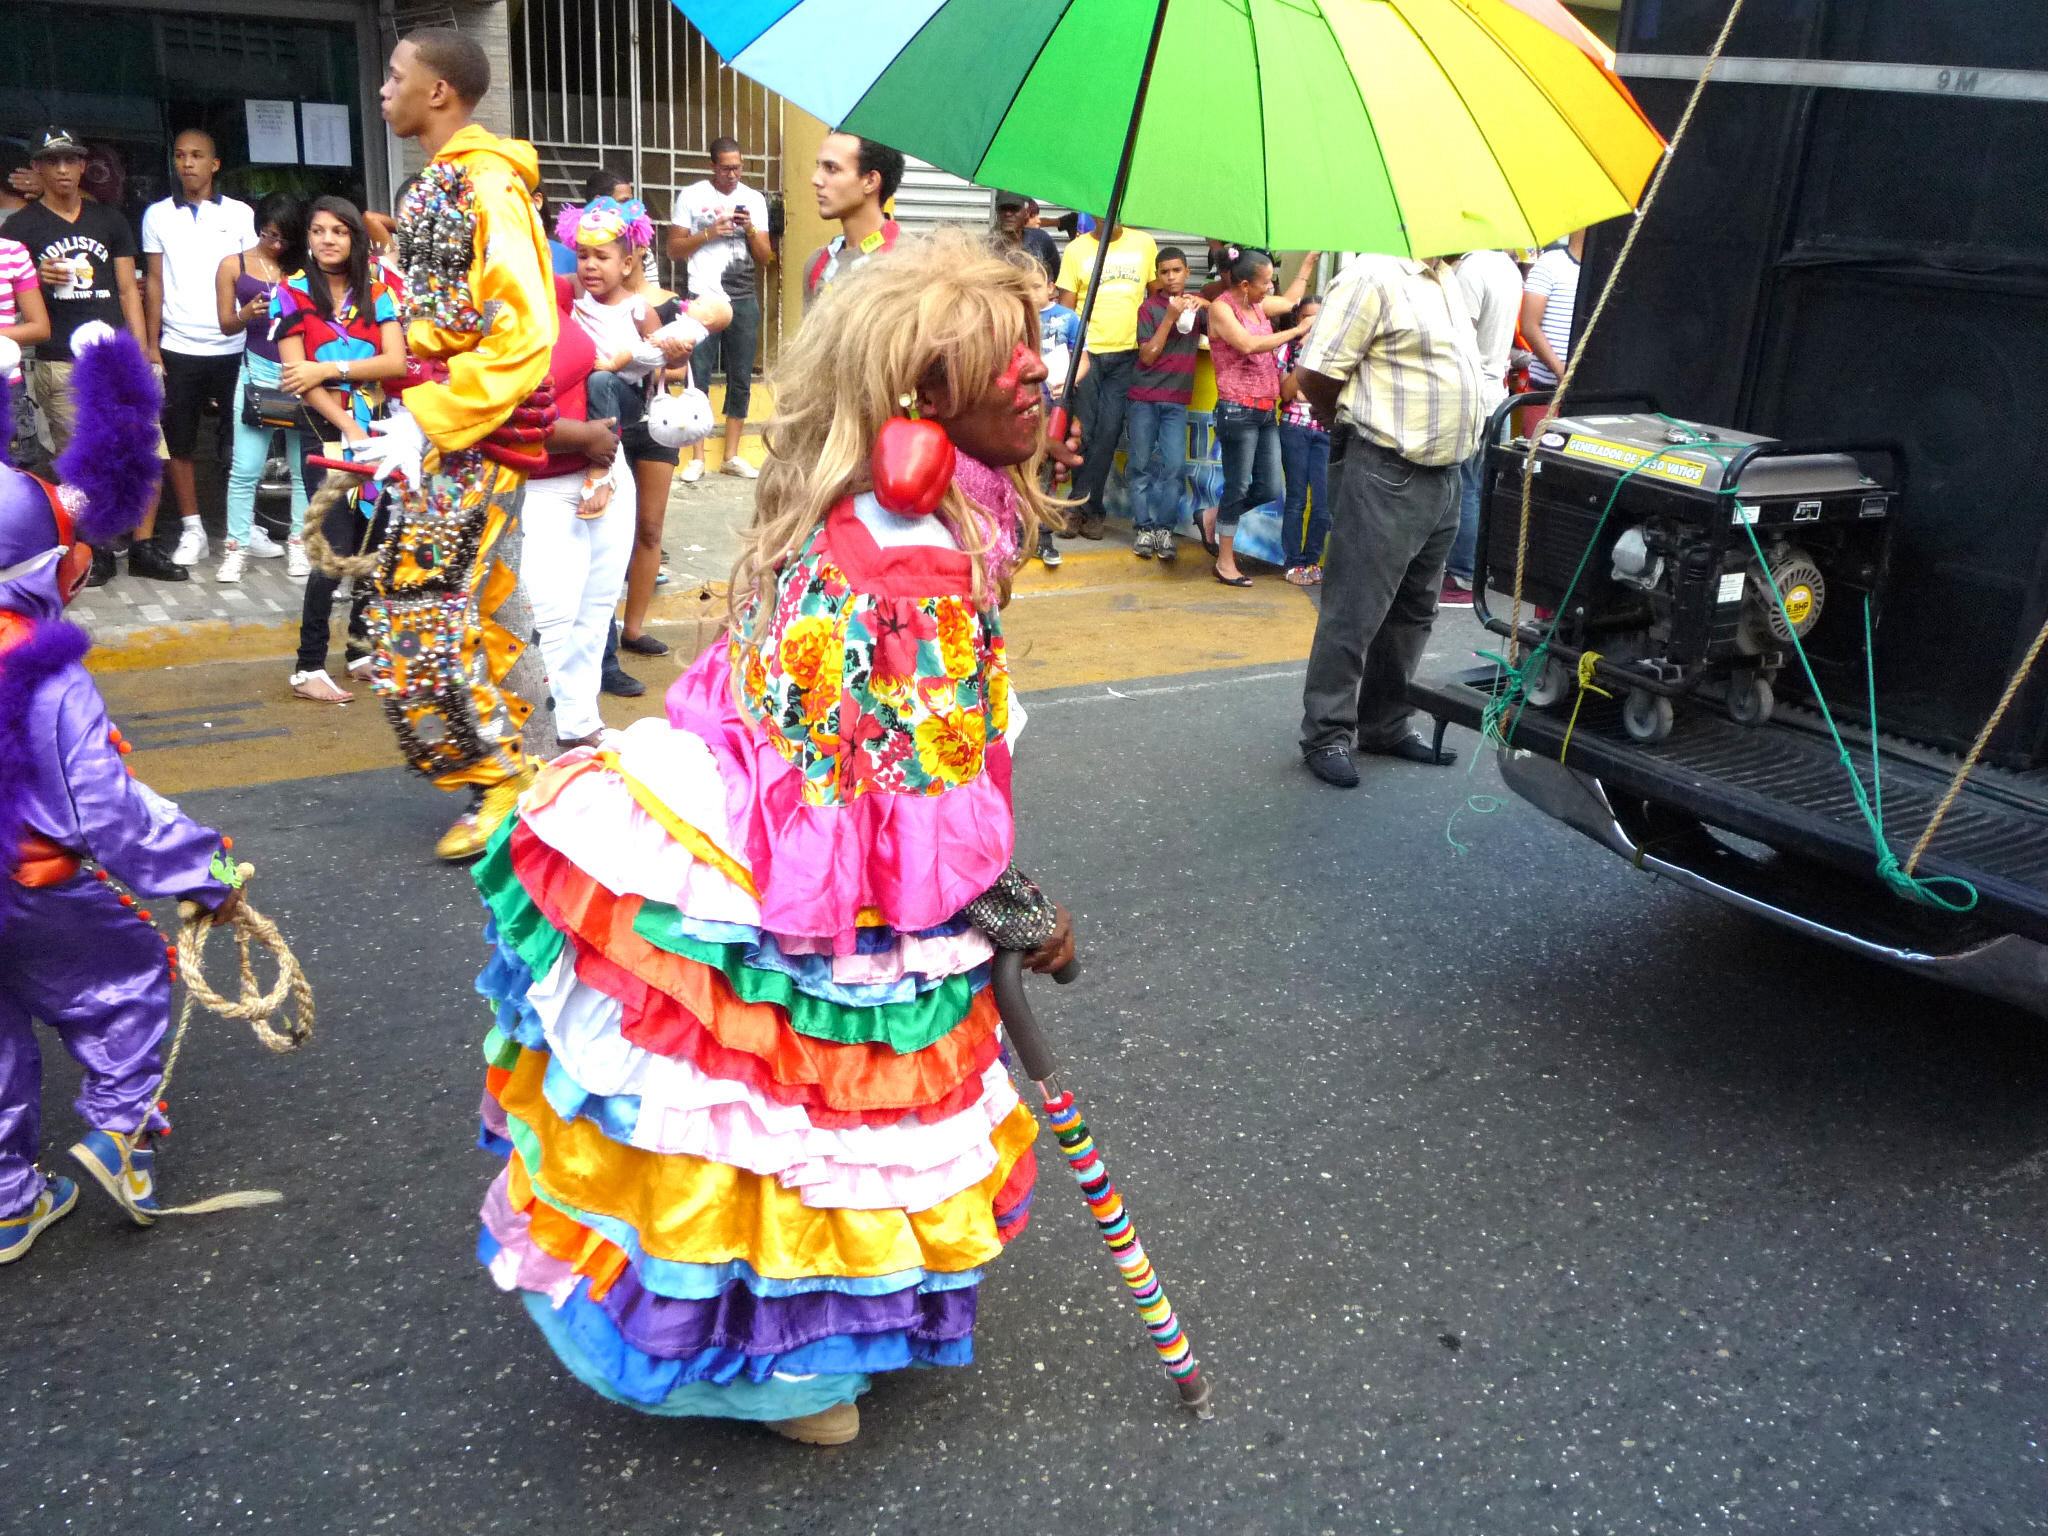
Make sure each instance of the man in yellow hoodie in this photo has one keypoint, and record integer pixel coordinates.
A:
(449, 615)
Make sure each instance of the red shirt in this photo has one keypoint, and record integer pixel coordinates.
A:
(569, 367)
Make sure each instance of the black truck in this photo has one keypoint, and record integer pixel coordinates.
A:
(1796, 506)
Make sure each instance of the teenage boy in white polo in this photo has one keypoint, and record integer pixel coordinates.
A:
(184, 239)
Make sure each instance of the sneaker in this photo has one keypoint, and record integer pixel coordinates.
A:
(1141, 546)
(296, 566)
(642, 645)
(1048, 552)
(621, 684)
(830, 1426)
(260, 545)
(192, 546)
(693, 471)
(146, 558)
(1455, 594)
(231, 563)
(319, 688)
(739, 468)
(1163, 547)
(120, 1166)
(18, 1233)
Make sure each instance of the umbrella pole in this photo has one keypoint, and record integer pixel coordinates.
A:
(1112, 1220)
(1116, 200)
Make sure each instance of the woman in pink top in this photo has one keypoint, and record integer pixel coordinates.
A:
(1246, 351)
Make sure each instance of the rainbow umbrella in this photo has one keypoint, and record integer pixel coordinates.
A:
(1411, 127)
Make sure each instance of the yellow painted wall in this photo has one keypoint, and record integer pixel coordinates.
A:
(802, 231)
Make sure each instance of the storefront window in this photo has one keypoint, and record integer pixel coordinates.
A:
(128, 82)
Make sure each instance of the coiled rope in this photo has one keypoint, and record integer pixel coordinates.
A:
(252, 1005)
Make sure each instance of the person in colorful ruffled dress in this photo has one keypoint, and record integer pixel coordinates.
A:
(74, 952)
(760, 1142)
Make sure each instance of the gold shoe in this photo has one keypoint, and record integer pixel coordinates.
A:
(461, 841)
(472, 830)
(831, 1426)
(500, 800)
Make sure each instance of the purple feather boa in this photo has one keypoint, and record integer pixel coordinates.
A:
(111, 457)
(6, 423)
(51, 646)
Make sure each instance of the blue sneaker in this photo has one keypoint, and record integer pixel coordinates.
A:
(18, 1233)
(124, 1170)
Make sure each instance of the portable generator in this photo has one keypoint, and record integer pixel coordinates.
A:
(1639, 550)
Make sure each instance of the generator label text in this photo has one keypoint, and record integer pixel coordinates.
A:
(1663, 465)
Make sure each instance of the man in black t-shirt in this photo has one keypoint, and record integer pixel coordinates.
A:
(84, 254)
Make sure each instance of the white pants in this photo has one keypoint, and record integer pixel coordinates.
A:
(573, 568)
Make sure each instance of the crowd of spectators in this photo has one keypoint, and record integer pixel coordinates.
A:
(284, 317)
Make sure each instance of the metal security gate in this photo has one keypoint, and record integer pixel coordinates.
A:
(631, 86)
(930, 197)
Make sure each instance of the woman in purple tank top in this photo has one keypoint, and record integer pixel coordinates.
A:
(242, 290)
(1245, 349)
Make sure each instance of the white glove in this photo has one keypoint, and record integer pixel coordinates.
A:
(397, 446)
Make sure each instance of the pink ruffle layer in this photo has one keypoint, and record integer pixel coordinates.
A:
(916, 859)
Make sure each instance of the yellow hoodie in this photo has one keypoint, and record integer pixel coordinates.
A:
(511, 278)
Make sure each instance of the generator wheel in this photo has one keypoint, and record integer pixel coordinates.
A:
(1750, 699)
(1646, 716)
(1551, 685)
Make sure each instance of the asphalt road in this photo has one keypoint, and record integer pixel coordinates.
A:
(1505, 1192)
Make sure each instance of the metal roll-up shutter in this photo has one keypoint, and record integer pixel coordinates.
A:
(930, 197)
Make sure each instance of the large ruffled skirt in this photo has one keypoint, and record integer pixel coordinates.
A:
(745, 1168)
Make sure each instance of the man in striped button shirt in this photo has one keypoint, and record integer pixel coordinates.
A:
(1393, 367)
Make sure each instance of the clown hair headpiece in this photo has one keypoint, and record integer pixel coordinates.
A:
(603, 220)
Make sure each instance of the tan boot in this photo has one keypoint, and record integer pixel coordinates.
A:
(831, 1426)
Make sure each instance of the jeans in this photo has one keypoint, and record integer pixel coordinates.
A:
(252, 450)
(735, 347)
(1390, 528)
(349, 531)
(1305, 454)
(621, 399)
(1105, 399)
(1472, 477)
(1252, 472)
(572, 567)
(1158, 451)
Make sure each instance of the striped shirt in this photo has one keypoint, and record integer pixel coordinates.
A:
(1556, 277)
(17, 276)
(1398, 336)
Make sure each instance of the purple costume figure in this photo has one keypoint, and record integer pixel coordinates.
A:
(71, 953)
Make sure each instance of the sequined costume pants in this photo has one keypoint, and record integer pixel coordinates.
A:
(74, 957)
(449, 625)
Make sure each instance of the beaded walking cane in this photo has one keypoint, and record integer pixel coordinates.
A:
(1112, 1220)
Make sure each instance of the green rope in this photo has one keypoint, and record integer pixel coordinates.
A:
(1928, 892)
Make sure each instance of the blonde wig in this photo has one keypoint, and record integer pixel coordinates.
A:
(942, 311)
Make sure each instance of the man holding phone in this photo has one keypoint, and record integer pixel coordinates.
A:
(720, 231)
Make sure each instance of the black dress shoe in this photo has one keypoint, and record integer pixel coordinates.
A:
(103, 567)
(642, 645)
(1413, 749)
(620, 683)
(147, 558)
(1333, 765)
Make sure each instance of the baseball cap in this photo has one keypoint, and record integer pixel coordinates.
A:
(1010, 200)
(57, 143)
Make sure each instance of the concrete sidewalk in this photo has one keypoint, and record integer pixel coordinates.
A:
(137, 623)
